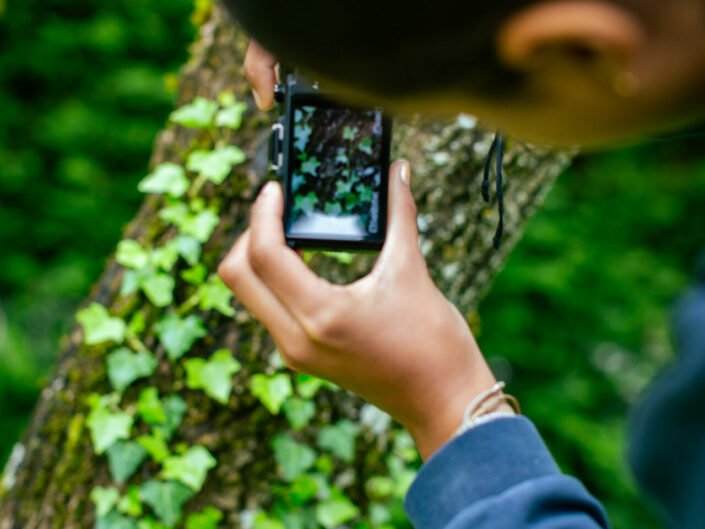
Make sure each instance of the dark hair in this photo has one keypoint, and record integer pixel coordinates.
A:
(387, 47)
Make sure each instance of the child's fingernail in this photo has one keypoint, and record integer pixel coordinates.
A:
(405, 172)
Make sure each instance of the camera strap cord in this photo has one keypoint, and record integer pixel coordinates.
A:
(498, 145)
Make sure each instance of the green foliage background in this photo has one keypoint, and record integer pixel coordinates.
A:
(576, 323)
(82, 94)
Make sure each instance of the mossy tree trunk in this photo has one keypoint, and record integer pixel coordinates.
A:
(54, 468)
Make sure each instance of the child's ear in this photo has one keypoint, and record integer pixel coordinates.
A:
(570, 31)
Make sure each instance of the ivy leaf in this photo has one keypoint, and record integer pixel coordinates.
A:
(166, 499)
(349, 133)
(231, 117)
(155, 444)
(201, 225)
(215, 295)
(159, 289)
(114, 520)
(190, 468)
(189, 248)
(165, 256)
(99, 326)
(130, 503)
(339, 438)
(124, 458)
(130, 283)
(131, 254)
(177, 335)
(150, 523)
(104, 499)
(262, 521)
(306, 203)
(272, 390)
(302, 135)
(292, 457)
(366, 145)
(226, 99)
(302, 489)
(107, 427)
(206, 519)
(299, 412)
(149, 407)
(175, 408)
(167, 178)
(333, 512)
(307, 385)
(137, 323)
(297, 180)
(215, 165)
(195, 275)
(379, 487)
(214, 377)
(124, 367)
(174, 213)
(311, 166)
(197, 114)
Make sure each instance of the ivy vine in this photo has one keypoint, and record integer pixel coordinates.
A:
(309, 494)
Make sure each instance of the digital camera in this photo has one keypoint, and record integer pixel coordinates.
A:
(333, 161)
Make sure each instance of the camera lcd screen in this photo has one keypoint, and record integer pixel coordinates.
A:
(338, 163)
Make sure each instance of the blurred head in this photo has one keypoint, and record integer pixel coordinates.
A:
(555, 71)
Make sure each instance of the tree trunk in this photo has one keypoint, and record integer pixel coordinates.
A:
(52, 471)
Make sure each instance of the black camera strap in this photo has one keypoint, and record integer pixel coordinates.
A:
(498, 145)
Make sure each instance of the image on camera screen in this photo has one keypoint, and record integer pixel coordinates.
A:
(336, 173)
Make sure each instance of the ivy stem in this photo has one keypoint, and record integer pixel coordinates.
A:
(190, 303)
(197, 185)
(134, 342)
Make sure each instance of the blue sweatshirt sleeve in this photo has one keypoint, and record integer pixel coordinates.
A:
(499, 475)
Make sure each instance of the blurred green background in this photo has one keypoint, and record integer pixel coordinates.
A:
(577, 322)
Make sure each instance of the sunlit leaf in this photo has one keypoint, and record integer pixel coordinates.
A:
(104, 499)
(215, 165)
(99, 326)
(130, 503)
(214, 376)
(131, 254)
(201, 225)
(124, 367)
(292, 457)
(107, 426)
(190, 468)
(114, 520)
(178, 335)
(299, 412)
(272, 390)
(124, 458)
(214, 295)
(206, 519)
(197, 114)
(167, 178)
(336, 511)
(189, 248)
(149, 407)
(155, 445)
(231, 117)
(166, 499)
(339, 438)
(159, 289)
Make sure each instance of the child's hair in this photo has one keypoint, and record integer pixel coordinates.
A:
(387, 47)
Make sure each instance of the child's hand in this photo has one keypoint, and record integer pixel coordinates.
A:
(391, 337)
(261, 71)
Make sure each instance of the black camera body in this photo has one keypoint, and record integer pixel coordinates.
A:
(333, 161)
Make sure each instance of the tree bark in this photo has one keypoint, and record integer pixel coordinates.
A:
(53, 469)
